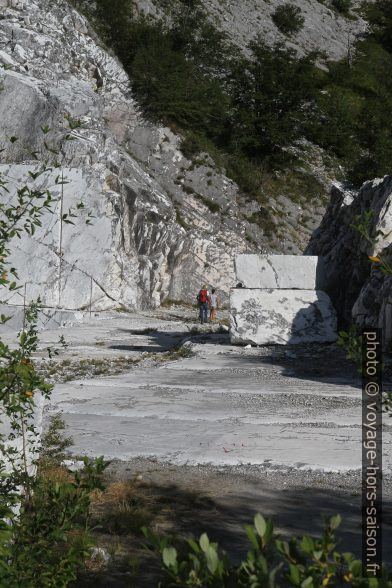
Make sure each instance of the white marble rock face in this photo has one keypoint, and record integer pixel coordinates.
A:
(263, 317)
(279, 271)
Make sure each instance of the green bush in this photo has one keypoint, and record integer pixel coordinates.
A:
(342, 6)
(288, 19)
(50, 539)
(272, 562)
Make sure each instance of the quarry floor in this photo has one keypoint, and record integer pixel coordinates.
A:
(270, 429)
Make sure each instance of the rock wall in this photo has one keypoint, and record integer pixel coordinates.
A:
(152, 237)
(360, 291)
(163, 224)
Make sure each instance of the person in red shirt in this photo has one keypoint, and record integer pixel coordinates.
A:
(203, 298)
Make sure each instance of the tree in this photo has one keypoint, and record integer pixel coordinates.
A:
(288, 19)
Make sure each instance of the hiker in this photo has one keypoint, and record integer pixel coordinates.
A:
(214, 305)
(203, 298)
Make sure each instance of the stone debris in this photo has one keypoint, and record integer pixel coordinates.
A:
(325, 30)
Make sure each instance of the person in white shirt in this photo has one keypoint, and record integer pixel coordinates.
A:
(214, 305)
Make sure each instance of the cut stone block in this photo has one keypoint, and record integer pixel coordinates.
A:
(301, 272)
(281, 316)
(47, 318)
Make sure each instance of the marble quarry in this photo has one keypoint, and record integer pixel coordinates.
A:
(279, 300)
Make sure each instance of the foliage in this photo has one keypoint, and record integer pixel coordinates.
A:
(352, 343)
(272, 100)
(54, 443)
(272, 562)
(288, 19)
(247, 111)
(39, 519)
(342, 6)
(49, 539)
(362, 224)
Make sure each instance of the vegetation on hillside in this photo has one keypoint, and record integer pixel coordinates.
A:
(288, 19)
(248, 111)
(342, 6)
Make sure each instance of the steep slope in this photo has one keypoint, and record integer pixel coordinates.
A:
(163, 223)
(137, 252)
(325, 29)
(360, 290)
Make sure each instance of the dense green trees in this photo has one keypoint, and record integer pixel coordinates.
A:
(247, 111)
(271, 99)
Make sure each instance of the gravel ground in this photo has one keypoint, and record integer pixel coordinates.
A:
(271, 429)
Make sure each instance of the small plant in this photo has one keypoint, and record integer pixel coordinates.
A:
(54, 444)
(288, 19)
(352, 343)
(50, 537)
(191, 146)
(179, 352)
(211, 205)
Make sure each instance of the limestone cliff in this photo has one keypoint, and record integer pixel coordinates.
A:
(162, 223)
(149, 239)
(360, 291)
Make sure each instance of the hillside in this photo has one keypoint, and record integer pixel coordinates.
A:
(178, 171)
(325, 28)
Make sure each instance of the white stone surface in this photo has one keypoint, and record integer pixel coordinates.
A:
(149, 239)
(224, 406)
(279, 271)
(281, 316)
(48, 318)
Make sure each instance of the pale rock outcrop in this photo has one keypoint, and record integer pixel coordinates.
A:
(360, 291)
(152, 236)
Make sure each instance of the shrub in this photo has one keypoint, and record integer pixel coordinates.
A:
(342, 6)
(211, 205)
(271, 561)
(288, 19)
(50, 539)
(190, 145)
